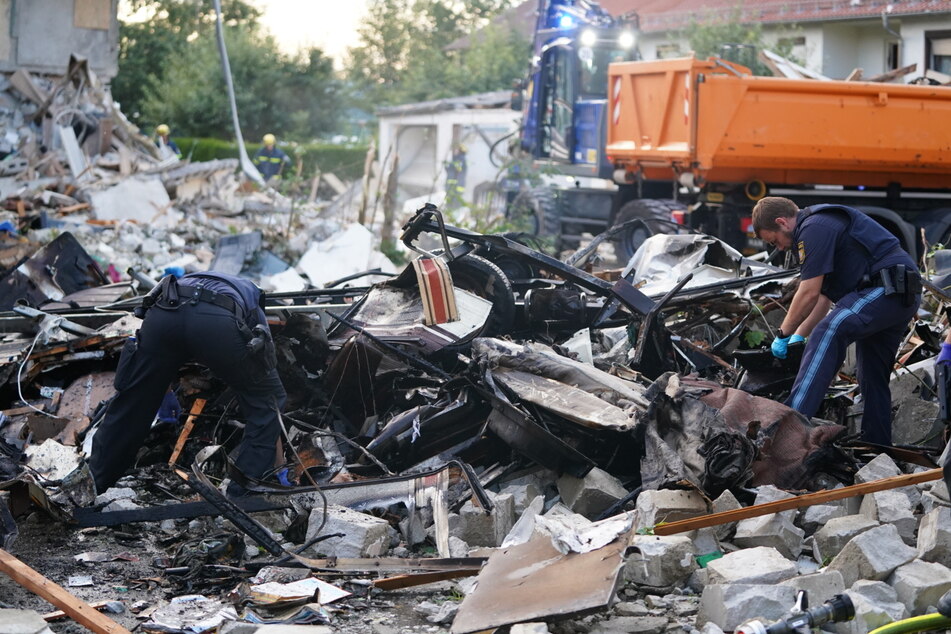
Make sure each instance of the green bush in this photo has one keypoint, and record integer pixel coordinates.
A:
(346, 161)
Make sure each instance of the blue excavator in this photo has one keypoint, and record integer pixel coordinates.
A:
(564, 122)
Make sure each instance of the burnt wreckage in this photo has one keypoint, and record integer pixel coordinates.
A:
(482, 362)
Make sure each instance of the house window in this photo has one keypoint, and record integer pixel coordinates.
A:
(938, 51)
(892, 55)
(793, 47)
(666, 51)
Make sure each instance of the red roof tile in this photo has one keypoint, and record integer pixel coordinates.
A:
(662, 15)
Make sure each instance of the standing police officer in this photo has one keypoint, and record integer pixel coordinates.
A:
(849, 260)
(217, 320)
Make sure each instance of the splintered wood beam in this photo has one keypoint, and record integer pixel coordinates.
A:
(75, 608)
(197, 406)
(819, 497)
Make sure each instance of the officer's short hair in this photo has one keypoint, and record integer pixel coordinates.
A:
(768, 209)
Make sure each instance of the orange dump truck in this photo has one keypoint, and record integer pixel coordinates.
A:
(729, 138)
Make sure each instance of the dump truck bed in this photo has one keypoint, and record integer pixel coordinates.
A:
(717, 121)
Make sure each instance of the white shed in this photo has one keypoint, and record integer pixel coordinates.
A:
(447, 139)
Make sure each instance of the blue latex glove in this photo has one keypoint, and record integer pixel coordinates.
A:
(170, 409)
(796, 339)
(945, 355)
(779, 347)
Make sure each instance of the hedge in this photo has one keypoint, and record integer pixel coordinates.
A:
(346, 161)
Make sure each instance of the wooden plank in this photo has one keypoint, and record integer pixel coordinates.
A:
(409, 581)
(855, 75)
(78, 610)
(819, 497)
(197, 406)
(894, 74)
(60, 614)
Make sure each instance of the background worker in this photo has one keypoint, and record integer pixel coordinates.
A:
(165, 141)
(849, 260)
(217, 320)
(270, 159)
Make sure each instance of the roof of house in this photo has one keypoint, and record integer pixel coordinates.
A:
(497, 99)
(664, 15)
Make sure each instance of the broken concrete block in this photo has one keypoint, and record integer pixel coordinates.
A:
(116, 493)
(522, 494)
(775, 531)
(891, 507)
(879, 468)
(668, 505)
(873, 555)
(363, 535)
(769, 493)
(726, 501)
(815, 517)
(143, 199)
(440, 613)
(478, 528)
(660, 561)
(23, 622)
(711, 628)
(930, 502)
(819, 586)
(632, 625)
(876, 604)
(934, 535)
(832, 538)
(632, 608)
(759, 565)
(907, 386)
(916, 423)
(121, 504)
(592, 494)
(729, 605)
(919, 585)
(457, 547)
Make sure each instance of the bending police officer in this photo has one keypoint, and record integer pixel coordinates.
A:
(217, 320)
(853, 265)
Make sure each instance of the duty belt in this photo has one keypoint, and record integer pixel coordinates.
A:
(896, 280)
(196, 294)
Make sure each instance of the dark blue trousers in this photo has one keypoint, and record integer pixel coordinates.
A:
(876, 324)
(168, 339)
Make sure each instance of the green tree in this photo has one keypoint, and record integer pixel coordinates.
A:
(294, 97)
(158, 32)
(402, 56)
(727, 35)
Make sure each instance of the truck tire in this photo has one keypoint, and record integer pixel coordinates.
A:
(657, 217)
(535, 211)
(484, 279)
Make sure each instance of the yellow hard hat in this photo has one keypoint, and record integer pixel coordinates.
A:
(162, 130)
(269, 139)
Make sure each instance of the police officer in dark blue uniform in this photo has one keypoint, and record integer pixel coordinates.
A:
(853, 265)
(217, 320)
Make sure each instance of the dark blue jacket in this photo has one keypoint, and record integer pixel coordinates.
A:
(270, 162)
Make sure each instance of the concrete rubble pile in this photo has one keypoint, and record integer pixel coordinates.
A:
(74, 164)
(490, 438)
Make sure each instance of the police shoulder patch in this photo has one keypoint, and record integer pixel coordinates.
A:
(802, 251)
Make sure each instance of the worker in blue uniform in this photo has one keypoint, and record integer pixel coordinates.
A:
(854, 266)
(270, 159)
(217, 320)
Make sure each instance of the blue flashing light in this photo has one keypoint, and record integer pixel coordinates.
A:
(566, 22)
(861, 188)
